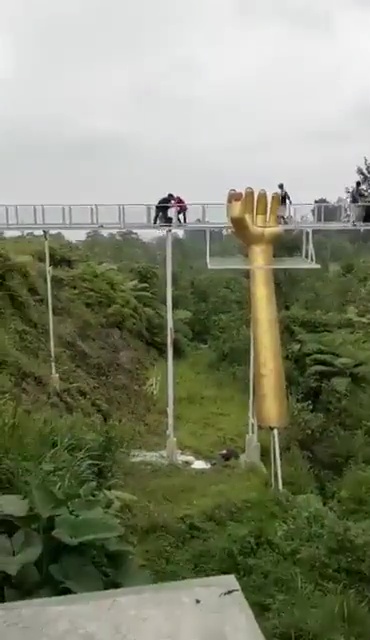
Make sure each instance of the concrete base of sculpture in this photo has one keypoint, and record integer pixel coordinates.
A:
(171, 449)
(204, 609)
(251, 458)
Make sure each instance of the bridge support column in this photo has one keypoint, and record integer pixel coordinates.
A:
(276, 473)
(252, 451)
(54, 377)
(171, 444)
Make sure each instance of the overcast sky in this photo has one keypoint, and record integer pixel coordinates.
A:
(123, 100)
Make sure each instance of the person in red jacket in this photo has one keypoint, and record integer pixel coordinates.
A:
(181, 209)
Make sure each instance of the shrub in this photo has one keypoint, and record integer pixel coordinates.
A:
(55, 544)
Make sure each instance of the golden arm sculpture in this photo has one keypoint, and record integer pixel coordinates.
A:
(256, 225)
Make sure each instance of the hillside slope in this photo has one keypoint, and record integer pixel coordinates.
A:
(107, 332)
(302, 559)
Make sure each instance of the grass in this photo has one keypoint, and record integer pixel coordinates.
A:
(210, 408)
(172, 491)
(210, 413)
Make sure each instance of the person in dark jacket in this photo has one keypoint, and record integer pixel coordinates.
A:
(285, 199)
(162, 208)
(357, 193)
(359, 207)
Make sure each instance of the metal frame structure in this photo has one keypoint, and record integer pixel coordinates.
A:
(45, 219)
(139, 217)
(307, 259)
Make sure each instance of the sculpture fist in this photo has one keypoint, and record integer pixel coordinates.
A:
(253, 221)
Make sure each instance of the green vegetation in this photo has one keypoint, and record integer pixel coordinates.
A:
(76, 514)
(209, 414)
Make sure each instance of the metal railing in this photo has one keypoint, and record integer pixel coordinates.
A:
(140, 216)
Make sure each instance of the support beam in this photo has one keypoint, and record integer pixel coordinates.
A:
(171, 445)
(252, 452)
(54, 377)
(276, 473)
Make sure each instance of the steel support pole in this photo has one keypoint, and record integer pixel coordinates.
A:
(252, 453)
(276, 471)
(54, 377)
(272, 459)
(171, 445)
(251, 385)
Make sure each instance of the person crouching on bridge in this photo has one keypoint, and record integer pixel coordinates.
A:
(162, 208)
(285, 199)
(181, 209)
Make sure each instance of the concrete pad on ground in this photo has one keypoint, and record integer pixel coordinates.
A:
(203, 609)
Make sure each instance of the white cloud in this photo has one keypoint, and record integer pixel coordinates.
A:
(123, 101)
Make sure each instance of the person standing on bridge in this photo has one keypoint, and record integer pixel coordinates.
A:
(181, 209)
(162, 208)
(285, 199)
(357, 208)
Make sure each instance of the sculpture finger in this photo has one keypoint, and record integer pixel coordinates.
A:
(235, 212)
(234, 199)
(248, 205)
(261, 209)
(274, 208)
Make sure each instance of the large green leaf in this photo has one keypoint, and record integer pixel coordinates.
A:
(119, 499)
(77, 573)
(129, 574)
(341, 384)
(13, 505)
(88, 490)
(47, 591)
(45, 501)
(322, 371)
(27, 579)
(6, 549)
(73, 530)
(23, 548)
(119, 545)
(120, 496)
(91, 506)
(182, 315)
(346, 363)
(12, 595)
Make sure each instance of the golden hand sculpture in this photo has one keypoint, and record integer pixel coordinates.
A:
(256, 225)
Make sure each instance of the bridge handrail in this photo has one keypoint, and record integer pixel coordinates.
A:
(154, 204)
(140, 216)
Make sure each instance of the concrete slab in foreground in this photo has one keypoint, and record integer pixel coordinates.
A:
(205, 609)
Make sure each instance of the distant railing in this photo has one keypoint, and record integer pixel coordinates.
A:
(140, 216)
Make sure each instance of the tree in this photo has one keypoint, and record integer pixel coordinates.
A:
(364, 174)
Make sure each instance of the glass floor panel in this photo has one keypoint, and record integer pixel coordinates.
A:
(240, 262)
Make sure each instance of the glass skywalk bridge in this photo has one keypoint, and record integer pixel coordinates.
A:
(136, 217)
